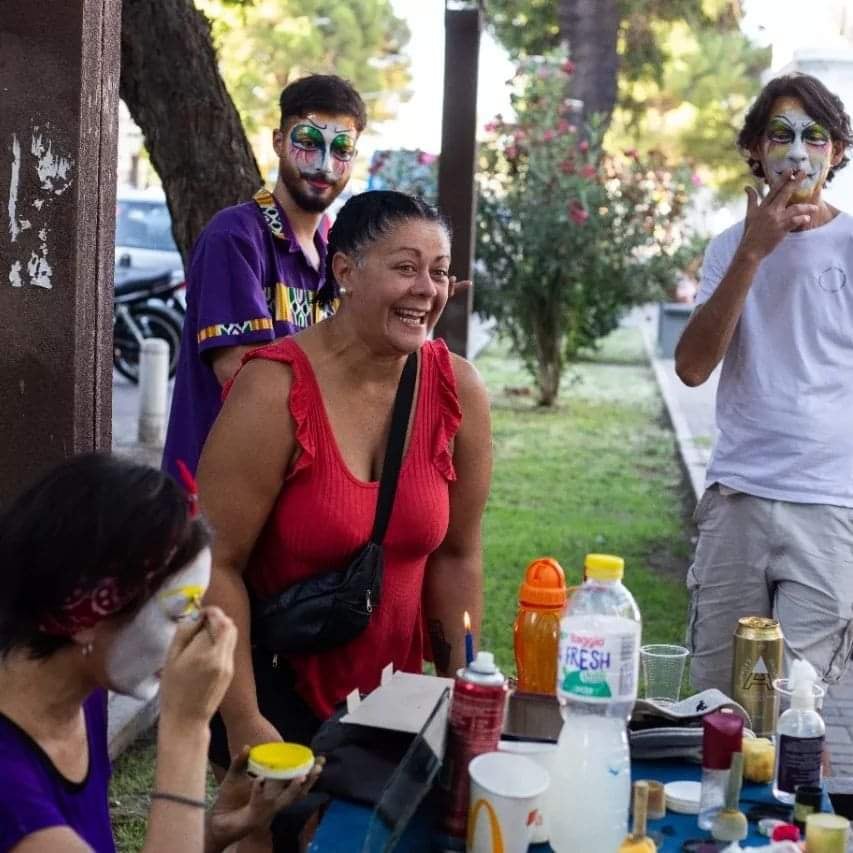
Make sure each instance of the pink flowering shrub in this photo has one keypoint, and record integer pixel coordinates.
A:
(569, 236)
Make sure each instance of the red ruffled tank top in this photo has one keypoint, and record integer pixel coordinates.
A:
(324, 515)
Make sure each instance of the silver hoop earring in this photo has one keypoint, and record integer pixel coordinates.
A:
(87, 650)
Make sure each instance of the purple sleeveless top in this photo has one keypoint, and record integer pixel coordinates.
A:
(35, 796)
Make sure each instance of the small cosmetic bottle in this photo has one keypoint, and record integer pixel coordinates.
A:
(722, 736)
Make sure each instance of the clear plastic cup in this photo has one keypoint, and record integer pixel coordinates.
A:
(662, 666)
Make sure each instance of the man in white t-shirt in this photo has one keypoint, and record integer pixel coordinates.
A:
(776, 306)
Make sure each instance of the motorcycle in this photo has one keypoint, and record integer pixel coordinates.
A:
(141, 309)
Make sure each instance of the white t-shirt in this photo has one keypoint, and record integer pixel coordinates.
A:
(785, 399)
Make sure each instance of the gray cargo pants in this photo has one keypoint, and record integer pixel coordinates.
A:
(760, 557)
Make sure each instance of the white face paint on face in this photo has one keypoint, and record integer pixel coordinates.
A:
(795, 141)
(138, 650)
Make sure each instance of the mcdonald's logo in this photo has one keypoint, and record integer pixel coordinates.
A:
(494, 825)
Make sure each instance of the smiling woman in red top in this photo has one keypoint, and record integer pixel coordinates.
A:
(289, 476)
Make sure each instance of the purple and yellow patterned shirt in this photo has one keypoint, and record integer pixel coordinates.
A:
(248, 282)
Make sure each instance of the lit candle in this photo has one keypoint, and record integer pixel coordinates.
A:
(469, 640)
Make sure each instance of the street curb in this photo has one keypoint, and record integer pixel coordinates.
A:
(691, 457)
(127, 719)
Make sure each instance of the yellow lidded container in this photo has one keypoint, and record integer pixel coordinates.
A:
(280, 760)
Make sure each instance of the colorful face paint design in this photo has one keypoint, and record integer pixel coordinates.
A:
(138, 650)
(794, 140)
(322, 150)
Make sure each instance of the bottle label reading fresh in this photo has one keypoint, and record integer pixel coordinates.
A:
(598, 666)
(799, 762)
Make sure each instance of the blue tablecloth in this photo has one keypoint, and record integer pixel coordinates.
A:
(344, 826)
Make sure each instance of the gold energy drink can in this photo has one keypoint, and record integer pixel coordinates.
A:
(756, 663)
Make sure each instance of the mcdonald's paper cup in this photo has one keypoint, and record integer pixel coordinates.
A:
(505, 789)
(543, 754)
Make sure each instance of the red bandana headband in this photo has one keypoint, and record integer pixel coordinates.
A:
(86, 606)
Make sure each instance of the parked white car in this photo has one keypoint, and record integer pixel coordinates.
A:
(144, 234)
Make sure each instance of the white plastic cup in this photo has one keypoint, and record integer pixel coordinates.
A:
(544, 755)
(505, 788)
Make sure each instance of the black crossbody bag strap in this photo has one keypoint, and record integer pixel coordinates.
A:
(394, 451)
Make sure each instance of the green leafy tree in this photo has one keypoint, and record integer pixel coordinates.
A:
(569, 237)
(263, 45)
(172, 83)
(686, 73)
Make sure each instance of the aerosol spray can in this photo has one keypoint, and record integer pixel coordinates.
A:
(476, 721)
(756, 663)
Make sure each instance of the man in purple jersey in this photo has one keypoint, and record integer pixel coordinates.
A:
(255, 268)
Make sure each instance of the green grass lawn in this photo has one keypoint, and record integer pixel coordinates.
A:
(598, 473)
(132, 782)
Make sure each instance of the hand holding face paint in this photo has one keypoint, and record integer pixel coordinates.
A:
(769, 220)
(198, 669)
(245, 804)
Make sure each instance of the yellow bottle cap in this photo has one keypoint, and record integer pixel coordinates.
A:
(604, 567)
(280, 760)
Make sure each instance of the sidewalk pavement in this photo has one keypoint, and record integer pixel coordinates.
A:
(691, 411)
(127, 717)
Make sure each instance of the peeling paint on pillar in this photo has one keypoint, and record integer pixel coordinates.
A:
(59, 62)
(53, 172)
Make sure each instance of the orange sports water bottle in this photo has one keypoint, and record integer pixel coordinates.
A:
(541, 599)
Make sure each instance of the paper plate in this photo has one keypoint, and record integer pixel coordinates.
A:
(280, 760)
(683, 797)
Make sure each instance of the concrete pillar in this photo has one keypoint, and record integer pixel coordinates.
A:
(59, 74)
(463, 23)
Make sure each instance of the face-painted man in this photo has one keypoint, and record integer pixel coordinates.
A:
(316, 154)
(256, 268)
(775, 308)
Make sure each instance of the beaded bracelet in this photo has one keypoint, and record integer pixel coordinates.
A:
(181, 800)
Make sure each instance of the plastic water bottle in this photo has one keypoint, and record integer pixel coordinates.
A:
(597, 670)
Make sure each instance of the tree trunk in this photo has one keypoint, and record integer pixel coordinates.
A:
(549, 363)
(591, 27)
(171, 85)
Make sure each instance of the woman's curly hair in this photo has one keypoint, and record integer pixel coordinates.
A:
(818, 102)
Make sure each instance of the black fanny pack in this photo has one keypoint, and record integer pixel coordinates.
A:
(335, 607)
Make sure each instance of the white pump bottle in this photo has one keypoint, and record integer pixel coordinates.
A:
(800, 735)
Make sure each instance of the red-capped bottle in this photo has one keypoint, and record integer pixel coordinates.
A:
(722, 736)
